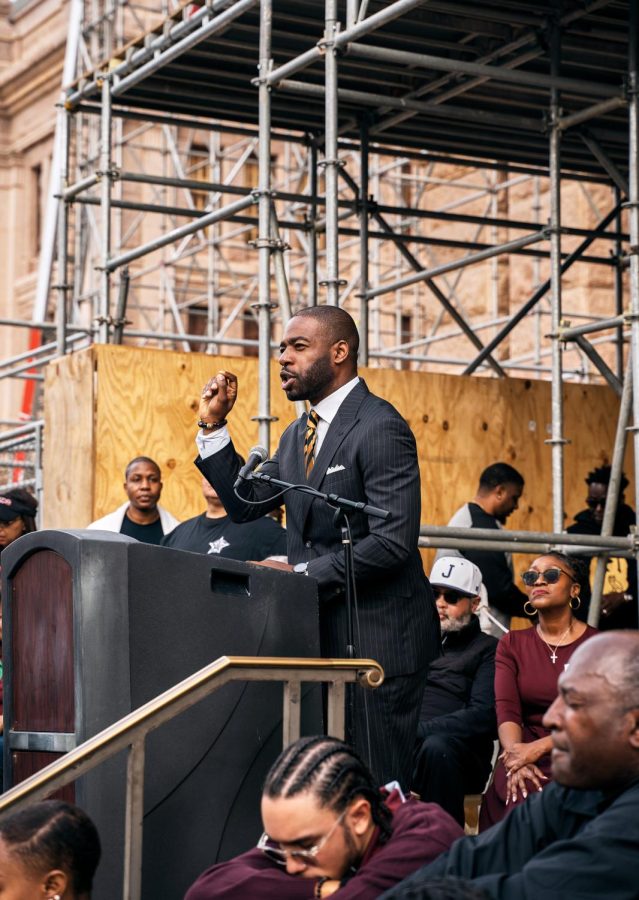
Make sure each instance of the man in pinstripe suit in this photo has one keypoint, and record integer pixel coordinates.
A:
(362, 449)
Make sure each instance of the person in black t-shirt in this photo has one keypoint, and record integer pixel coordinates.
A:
(214, 533)
(500, 488)
(141, 517)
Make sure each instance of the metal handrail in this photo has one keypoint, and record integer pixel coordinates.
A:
(130, 732)
(457, 538)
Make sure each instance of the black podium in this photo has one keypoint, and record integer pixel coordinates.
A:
(96, 624)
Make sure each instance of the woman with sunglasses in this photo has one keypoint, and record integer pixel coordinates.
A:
(329, 829)
(527, 666)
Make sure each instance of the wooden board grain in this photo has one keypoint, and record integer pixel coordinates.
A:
(69, 441)
(146, 404)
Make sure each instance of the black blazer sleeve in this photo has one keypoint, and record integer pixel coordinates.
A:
(386, 458)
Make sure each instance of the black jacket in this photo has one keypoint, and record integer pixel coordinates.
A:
(560, 844)
(459, 698)
(496, 573)
(369, 455)
(626, 615)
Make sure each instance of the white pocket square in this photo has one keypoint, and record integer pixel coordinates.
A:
(332, 469)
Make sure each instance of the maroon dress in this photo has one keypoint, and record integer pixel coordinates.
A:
(525, 686)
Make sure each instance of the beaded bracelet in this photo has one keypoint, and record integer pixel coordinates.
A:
(207, 426)
(318, 886)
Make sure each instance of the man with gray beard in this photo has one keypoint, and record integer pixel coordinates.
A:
(457, 725)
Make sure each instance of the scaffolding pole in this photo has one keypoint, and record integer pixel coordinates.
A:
(264, 241)
(177, 234)
(430, 284)
(63, 226)
(105, 175)
(540, 292)
(633, 214)
(48, 243)
(469, 260)
(619, 362)
(612, 494)
(311, 221)
(363, 243)
(331, 162)
(557, 439)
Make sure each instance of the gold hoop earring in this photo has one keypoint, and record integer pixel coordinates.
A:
(577, 600)
(529, 612)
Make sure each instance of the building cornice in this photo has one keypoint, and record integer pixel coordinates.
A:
(21, 83)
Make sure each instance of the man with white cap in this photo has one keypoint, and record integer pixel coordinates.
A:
(457, 725)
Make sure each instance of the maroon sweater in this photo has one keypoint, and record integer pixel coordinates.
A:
(421, 831)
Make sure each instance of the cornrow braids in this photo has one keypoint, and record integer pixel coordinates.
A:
(333, 772)
(54, 835)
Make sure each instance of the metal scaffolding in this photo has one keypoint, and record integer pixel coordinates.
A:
(366, 122)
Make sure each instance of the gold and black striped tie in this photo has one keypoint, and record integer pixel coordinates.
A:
(310, 440)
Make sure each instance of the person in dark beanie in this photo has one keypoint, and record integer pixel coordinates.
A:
(619, 601)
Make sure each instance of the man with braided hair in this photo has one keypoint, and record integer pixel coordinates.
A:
(329, 830)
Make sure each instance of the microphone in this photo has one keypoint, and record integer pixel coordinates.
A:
(256, 456)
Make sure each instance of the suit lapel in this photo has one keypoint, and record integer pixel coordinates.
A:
(345, 419)
(343, 422)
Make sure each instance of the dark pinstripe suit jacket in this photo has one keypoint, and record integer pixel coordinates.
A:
(372, 453)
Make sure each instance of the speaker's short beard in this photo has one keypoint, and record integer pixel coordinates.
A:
(313, 382)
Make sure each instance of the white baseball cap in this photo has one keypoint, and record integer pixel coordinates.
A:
(458, 574)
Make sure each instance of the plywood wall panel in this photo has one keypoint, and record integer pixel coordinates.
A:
(146, 404)
(69, 441)
(463, 424)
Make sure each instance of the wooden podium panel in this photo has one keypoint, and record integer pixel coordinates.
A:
(95, 625)
(43, 621)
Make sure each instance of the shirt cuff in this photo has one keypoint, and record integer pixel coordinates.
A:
(212, 442)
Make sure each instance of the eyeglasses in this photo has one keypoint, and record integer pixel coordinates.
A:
(449, 596)
(550, 576)
(593, 502)
(307, 856)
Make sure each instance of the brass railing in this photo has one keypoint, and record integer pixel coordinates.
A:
(131, 731)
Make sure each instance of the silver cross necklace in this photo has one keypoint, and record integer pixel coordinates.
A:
(553, 649)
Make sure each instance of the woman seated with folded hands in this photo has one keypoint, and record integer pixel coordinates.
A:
(527, 666)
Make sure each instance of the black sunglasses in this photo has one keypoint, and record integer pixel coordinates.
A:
(550, 576)
(449, 596)
(593, 503)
